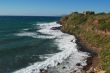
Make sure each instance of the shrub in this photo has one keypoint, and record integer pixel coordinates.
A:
(104, 25)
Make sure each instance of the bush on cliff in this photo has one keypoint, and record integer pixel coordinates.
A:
(90, 27)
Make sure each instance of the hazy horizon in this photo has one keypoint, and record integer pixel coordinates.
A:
(50, 7)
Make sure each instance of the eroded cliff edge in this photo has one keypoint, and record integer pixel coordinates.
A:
(93, 35)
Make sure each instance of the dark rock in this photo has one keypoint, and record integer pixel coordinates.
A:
(71, 40)
(67, 62)
(78, 64)
(64, 67)
(58, 64)
(43, 71)
(56, 28)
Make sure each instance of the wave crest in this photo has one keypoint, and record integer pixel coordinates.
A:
(64, 41)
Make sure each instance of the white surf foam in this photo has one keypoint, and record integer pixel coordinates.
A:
(25, 29)
(65, 42)
(29, 34)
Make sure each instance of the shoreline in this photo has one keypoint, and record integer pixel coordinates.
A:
(94, 59)
(90, 67)
(92, 30)
(68, 60)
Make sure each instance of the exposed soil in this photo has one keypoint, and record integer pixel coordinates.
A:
(92, 61)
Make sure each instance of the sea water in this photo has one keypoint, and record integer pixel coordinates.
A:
(19, 45)
(33, 44)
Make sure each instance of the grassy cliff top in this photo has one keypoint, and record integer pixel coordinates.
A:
(94, 30)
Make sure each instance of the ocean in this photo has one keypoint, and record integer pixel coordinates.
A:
(36, 44)
(16, 51)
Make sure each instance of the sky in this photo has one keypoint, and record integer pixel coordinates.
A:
(51, 7)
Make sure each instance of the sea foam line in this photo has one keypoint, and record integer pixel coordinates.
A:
(65, 42)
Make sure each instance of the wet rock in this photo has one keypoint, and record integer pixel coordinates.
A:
(78, 64)
(58, 64)
(56, 28)
(43, 71)
(63, 67)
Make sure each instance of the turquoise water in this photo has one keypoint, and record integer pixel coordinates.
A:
(17, 52)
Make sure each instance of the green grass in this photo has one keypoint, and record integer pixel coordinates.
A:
(73, 24)
(99, 41)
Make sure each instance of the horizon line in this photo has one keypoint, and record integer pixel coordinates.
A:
(30, 15)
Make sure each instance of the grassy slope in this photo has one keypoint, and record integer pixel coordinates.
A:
(93, 29)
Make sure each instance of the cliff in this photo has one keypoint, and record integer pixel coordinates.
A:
(93, 32)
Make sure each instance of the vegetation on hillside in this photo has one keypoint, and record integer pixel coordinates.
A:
(94, 30)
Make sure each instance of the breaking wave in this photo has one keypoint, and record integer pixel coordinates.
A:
(65, 42)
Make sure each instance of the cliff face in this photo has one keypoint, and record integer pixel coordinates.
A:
(93, 31)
